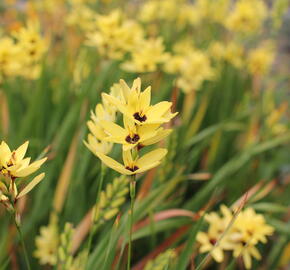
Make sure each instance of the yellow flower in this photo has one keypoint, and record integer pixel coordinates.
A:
(217, 50)
(13, 164)
(261, 59)
(239, 234)
(132, 135)
(82, 16)
(208, 242)
(247, 16)
(231, 52)
(133, 166)
(47, 244)
(153, 10)
(32, 46)
(31, 42)
(234, 54)
(9, 58)
(195, 69)
(215, 11)
(216, 240)
(114, 35)
(251, 227)
(136, 105)
(146, 56)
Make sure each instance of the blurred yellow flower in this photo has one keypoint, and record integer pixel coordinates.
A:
(234, 54)
(146, 56)
(9, 58)
(47, 244)
(240, 234)
(249, 229)
(215, 11)
(247, 17)
(82, 17)
(260, 59)
(114, 35)
(32, 46)
(193, 70)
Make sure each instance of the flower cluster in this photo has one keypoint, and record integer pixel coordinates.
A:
(13, 167)
(21, 54)
(194, 67)
(142, 126)
(113, 35)
(239, 234)
(247, 16)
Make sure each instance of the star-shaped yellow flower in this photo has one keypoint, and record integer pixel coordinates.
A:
(133, 166)
(136, 105)
(13, 163)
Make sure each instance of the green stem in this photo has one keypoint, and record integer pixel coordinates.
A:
(132, 196)
(94, 227)
(22, 242)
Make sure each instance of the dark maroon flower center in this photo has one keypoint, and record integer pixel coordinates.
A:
(135, 168)
(133, 139)
(140, 118)
(212, 241)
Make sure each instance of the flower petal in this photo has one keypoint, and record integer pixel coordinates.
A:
(5, 154)
(145, 98)
(113, 129)
(161, 134)
(21, 150)
(151, 157)
(23, 172)
(31, 185)
(113, 164)
(157, 110)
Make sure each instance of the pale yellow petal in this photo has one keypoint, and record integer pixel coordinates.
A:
(136, 85)
(247, 260)
(127, 158)
(217, 254)
(125, 89)
(147, 167)
(162, 134)
(151, 157)
(113, 129)
(145, 98)
(113, 164)
(5, 153)
(31, 185)
(156, 111)
(96, 130)
(21, 150)
(30, 169)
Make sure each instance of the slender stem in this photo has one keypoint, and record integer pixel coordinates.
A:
(94, 227)
(22, 242)
(132, 196)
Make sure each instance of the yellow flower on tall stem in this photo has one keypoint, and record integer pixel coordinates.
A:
(142, 127)
(13, 165)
